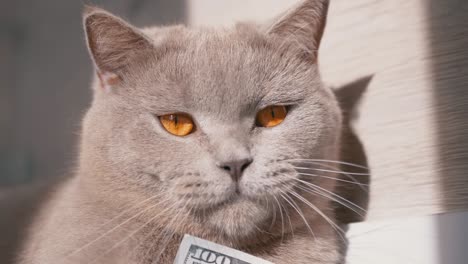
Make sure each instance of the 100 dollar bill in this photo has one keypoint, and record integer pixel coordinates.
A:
(195, 250)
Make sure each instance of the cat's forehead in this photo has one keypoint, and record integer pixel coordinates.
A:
(224, 70)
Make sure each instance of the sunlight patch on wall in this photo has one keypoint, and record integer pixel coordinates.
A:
(227, 12)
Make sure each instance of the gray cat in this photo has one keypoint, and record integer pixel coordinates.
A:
(228, 135)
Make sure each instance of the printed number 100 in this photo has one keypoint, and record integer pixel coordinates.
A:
(210, 257)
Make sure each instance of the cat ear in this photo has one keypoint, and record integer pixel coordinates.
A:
(112, 43)
(304, 25)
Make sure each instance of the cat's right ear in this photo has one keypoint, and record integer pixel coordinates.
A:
(113, 44)
(304, 24)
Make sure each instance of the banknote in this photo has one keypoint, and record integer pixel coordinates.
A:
(195, 250)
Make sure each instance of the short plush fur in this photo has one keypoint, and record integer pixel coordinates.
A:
(138, 189)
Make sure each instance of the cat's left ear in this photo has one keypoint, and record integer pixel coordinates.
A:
(114, 45)
(304, 25)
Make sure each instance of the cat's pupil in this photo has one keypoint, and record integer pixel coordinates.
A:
(272, 112)
(176, 120)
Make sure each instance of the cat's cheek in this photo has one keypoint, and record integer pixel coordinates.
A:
(267, 180)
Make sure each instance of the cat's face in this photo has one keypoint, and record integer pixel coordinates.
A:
(229, 169)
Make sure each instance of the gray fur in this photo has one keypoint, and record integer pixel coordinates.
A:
(222, 78)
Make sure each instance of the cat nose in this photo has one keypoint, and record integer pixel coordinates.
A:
(235, 168)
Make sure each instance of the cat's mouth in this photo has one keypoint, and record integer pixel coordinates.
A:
(231, 199)
(235, 197)
(237, 216)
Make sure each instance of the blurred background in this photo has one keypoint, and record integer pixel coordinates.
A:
(413, 120)
(45, 72)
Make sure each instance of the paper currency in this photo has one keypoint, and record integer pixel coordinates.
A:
(195, 250)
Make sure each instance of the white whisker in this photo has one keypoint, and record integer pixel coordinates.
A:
(321, 194)
(329, 161)
(333, 195)
(152, 232)
(297, 209)
(131, 235)
(338, 229)
(110, 231)
(166, 241)
(347, 174)
(282, 220)
(333, 178)
(334, 171)
(129, 209)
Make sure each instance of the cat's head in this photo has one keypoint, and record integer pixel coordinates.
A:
(213, 120)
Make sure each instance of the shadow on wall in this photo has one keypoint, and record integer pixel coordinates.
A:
(45, 74)
(353, 185)
(354, 181)
(449, 45)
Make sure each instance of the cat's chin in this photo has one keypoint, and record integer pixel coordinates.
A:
(239, 218)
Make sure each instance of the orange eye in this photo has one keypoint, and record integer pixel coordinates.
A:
(271, 116)
(177, 124)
